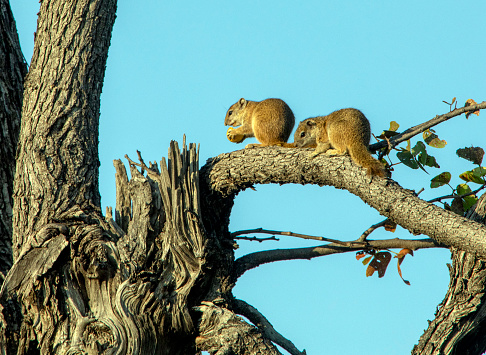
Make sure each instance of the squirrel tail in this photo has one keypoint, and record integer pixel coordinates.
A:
(362, 156)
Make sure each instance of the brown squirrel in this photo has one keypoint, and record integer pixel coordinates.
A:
(346, 130)
(270, 121)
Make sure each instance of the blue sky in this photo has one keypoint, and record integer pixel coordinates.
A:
(174, 68)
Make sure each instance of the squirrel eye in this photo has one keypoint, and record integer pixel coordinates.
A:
(302, 134)
(230, 113)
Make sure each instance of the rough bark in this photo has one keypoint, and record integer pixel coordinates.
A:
(12, 72)
(56, 215)
(229, 173)
(157, 280)
(57, 167)
(460, 321)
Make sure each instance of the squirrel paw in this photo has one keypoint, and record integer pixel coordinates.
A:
(333, 152)
(234, 137)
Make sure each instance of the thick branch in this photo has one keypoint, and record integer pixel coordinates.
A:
(413, 131)
(230, 173)
(250, 312)
(222, 332)
(254, 260)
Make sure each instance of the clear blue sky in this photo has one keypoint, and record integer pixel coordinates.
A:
(174, 68)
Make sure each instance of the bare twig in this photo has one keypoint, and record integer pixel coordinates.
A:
(254, 260)
(409, 133)
(370, 230)
(259, 320)
(357, 244)
(438, 199)
(255, 239)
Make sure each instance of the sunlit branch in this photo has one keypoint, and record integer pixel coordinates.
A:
(409, 133)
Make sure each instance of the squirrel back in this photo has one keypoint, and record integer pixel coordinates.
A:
(270, 121)
(343, 131)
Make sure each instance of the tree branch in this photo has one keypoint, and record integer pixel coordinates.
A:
(371, 229)
(258, 319)
(229, 173)
(222, 332)
(303, 236)
(437, 199)
(254, 260)
(409, 133)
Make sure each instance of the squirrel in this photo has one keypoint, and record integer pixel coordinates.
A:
(345, 130)
(270, 121)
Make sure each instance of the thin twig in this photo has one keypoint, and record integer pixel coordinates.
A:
(370, 230)
(303, 236)
(438, 199)
(409, 133)
(255, 239)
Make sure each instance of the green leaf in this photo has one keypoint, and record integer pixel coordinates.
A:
(433, 140)
(468, 202)
(407, 158)
(419, 148)
(469, 176)
(441, 179)
(462, 189)
(428, 160)
(479, 172)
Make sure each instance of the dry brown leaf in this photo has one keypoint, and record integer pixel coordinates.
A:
(470, 102)
(401, 256)
(379, 263)
(390, 226)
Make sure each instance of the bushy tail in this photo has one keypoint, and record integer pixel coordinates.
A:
(362, 156)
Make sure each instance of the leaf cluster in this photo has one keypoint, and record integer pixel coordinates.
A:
(379, 260)
(418, 157)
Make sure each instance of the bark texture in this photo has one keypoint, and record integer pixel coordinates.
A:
(61, 107)
(158, 278)
(229, 173)
(58, 234)
(12, 72)
(460, 321)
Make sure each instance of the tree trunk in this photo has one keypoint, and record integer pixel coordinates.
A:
(158, 279)
(12, 72)
(460, 321)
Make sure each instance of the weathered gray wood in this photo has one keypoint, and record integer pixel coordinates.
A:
(123, 208)
(160, 282)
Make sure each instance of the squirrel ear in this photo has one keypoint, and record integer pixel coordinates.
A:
(311, 123)
(242, 102)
